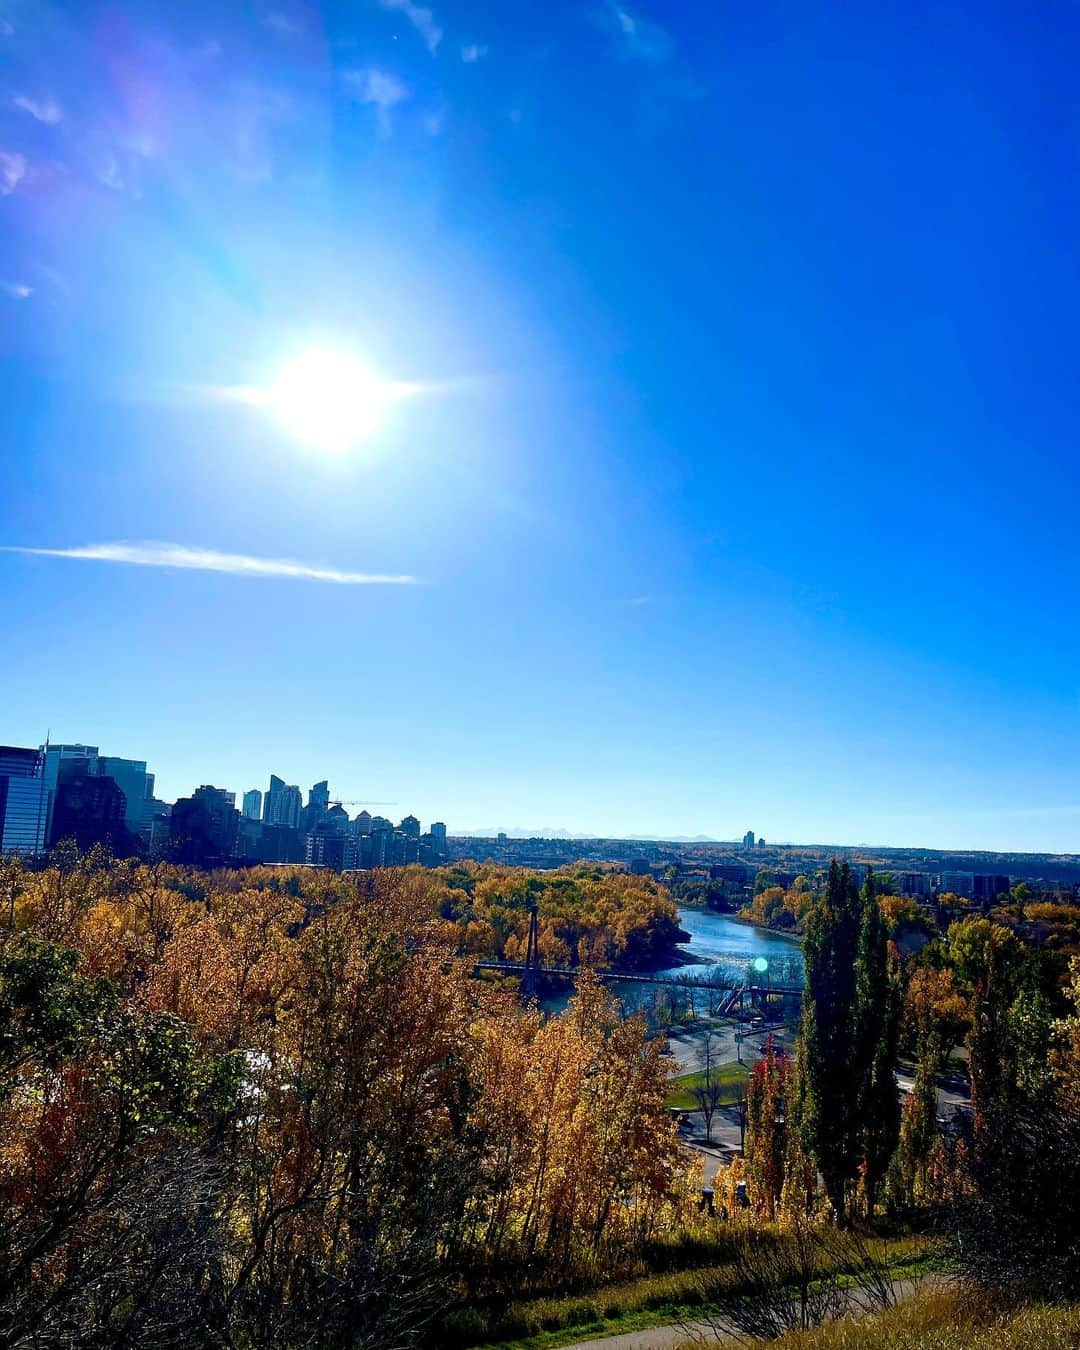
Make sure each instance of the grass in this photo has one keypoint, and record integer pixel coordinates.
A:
(731, 1077)
(943, 1319)
(634, 1305)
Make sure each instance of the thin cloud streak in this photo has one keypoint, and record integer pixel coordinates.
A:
(45, 110)
(152, 554)
(421, 18)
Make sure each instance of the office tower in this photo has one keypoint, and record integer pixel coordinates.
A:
(748, 839)
(319, 795)
(89, 809)
(438, 837)
(135, 783)
(252, 805)
(24, 801)
(282, 803)
(336, 819)
(761, 843)
(203, 826)
(380, 851)
(410, 826)
(17, 762)
(362, 823)
(74, 758)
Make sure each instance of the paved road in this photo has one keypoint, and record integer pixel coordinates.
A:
(705, 1333)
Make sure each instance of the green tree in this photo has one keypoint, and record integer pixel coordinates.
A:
(828, 1110)
(877, 1022)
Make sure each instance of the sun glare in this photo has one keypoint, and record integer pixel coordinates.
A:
(328, 399)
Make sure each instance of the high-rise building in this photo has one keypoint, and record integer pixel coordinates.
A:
(914, 883)
(135, 783)
(957, 883)
(17, 762)
(410, 826)
(252, 805)
(282, 803)
(362, 823)
(24, 814)
(328, 848)
(438, 837)
(203, 826)
(319, 795)
(748, 839)
(89, 809)
(74, 758)
(988, 888)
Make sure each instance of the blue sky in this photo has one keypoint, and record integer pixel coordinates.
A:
(738, 475)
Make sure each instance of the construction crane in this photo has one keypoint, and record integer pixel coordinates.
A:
(338, 802)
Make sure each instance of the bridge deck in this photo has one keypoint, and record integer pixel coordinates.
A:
(722, 980)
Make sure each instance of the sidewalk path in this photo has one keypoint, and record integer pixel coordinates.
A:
(705, 1333)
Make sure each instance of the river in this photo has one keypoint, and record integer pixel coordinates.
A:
(713, 937)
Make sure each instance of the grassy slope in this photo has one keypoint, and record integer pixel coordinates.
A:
(653, 1301)
(943, 1320)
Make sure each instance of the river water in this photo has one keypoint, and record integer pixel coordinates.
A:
(712, 938)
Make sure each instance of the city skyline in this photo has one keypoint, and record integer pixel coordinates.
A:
(257, 804)
(627, 419)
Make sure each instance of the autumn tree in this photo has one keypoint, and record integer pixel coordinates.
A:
(768, 1092)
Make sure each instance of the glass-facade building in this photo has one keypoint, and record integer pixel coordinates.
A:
(24, 815)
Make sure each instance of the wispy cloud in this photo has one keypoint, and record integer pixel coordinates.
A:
(12, 172)
(7, 28)
(18, 290)
(44, 109)
(281, 23)
(381, 90)
(639, 38)
(473, 52)
(153, 554)
(641, 599)
(421, 18)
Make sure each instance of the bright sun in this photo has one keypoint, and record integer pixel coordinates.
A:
(329, 399)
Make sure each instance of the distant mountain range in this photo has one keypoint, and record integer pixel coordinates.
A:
(519, 832)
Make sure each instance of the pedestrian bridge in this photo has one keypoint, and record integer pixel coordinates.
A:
(737, 974)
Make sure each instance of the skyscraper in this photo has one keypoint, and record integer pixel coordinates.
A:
(89, 809)
(24, 801)
(282, 803)
(135, 783)
(203, 826)
(253, 805)
(748, 839)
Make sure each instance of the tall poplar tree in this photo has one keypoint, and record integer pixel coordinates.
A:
(830, 1081)
(877, 1021)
